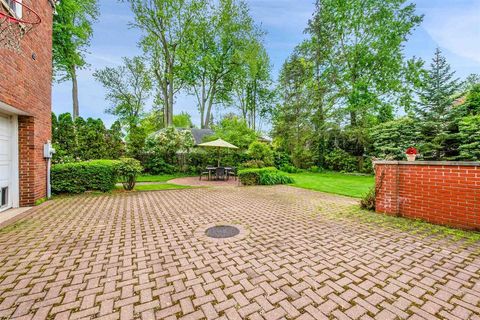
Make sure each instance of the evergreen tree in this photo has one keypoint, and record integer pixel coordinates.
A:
(115, 144)
(65, 135)
(470, 138)
(436, 97)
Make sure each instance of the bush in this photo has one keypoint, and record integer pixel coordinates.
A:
(155, 164)
(289, 168)
(281, 158)
(128, 170)
(340, 160)
(253, 164)
(263, 176)
(368, 201)
(78, 177)
(261, 151)
(315, 169)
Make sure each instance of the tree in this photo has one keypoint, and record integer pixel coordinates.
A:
(261, 151)
(114, 141)
(91, 137)
(293, 129)
(436, 96)
(182, 120)
(223, 33)
(168, 28)
(128, 89)
(235, 131)
(389, 140)
(252, 87)
(470, 137)
(365, 40)
(72, 31)
(65, 138)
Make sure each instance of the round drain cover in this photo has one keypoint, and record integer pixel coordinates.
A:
(220, 232)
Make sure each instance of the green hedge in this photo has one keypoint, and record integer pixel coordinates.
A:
(78, 177)
(263, 176)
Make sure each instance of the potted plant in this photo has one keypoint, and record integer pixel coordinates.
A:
(411, 153)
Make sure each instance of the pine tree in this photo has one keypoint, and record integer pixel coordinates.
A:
(436, 96)
(116, 146)
(65, 138)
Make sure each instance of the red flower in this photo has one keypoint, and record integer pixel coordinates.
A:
(411, 150)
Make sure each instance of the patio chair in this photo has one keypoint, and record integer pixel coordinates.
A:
(220, 173)
(232, 172)
(204, 173)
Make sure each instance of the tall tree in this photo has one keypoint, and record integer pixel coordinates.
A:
(366, 52)
(253, 95)
(223, 33)
(72, 32)
(168, 36)
(128, 88)
(436, 96)
(114, 140)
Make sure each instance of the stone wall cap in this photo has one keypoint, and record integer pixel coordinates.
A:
(430, 163)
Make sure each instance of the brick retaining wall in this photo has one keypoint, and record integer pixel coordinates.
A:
(439, 192)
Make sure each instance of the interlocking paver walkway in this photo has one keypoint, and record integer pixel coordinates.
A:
(139, 255)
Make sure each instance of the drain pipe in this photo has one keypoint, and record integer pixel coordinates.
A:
(48, 152)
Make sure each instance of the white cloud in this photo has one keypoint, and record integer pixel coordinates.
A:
(456, 29)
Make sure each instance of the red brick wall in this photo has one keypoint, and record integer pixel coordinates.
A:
(25, 84)
(446, 193)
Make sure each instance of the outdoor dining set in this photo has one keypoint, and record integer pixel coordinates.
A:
(219, 173)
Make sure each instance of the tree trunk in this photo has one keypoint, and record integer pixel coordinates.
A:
(75, 112)
(209, 108)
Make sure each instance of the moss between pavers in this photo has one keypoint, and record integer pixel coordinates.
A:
(412, 226)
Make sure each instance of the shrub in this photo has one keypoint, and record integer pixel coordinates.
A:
(155, 164)
(368, 201)
(253, 164)
(289, 168)
(261, 151)
(78, 177)
(263, 176)
(340, 160)
(390, 139)
(315, 169)
(281, 158)
(128, 170)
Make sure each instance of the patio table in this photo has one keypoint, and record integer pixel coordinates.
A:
(213, 169)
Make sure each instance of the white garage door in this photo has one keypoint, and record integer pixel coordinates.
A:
(6, 168)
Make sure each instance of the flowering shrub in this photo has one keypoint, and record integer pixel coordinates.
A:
(411, 150)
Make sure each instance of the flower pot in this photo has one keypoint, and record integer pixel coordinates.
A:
(411, 157)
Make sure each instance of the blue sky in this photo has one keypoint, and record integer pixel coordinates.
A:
(452, 25)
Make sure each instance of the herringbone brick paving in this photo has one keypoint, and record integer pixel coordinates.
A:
(138, 256)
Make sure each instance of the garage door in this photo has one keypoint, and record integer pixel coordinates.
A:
(6, 176)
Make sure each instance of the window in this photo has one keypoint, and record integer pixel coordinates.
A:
(15, 7)
(4, 197)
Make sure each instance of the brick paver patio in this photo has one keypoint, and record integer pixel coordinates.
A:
(143, 255)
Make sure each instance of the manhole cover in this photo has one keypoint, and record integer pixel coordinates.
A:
(221, 232)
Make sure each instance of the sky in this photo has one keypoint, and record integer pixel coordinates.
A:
(451, 25)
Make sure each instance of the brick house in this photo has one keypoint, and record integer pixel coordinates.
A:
(25, 110)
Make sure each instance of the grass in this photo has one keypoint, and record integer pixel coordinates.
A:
(355, 186)
(159, 186)
(160, 177)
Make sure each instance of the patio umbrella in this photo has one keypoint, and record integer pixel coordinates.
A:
(219, 143)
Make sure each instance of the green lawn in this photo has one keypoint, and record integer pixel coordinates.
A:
(161, 182)
(160, 178)
(159, 186)
(333, 182)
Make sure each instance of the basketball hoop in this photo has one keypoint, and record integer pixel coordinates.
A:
(16, 20)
